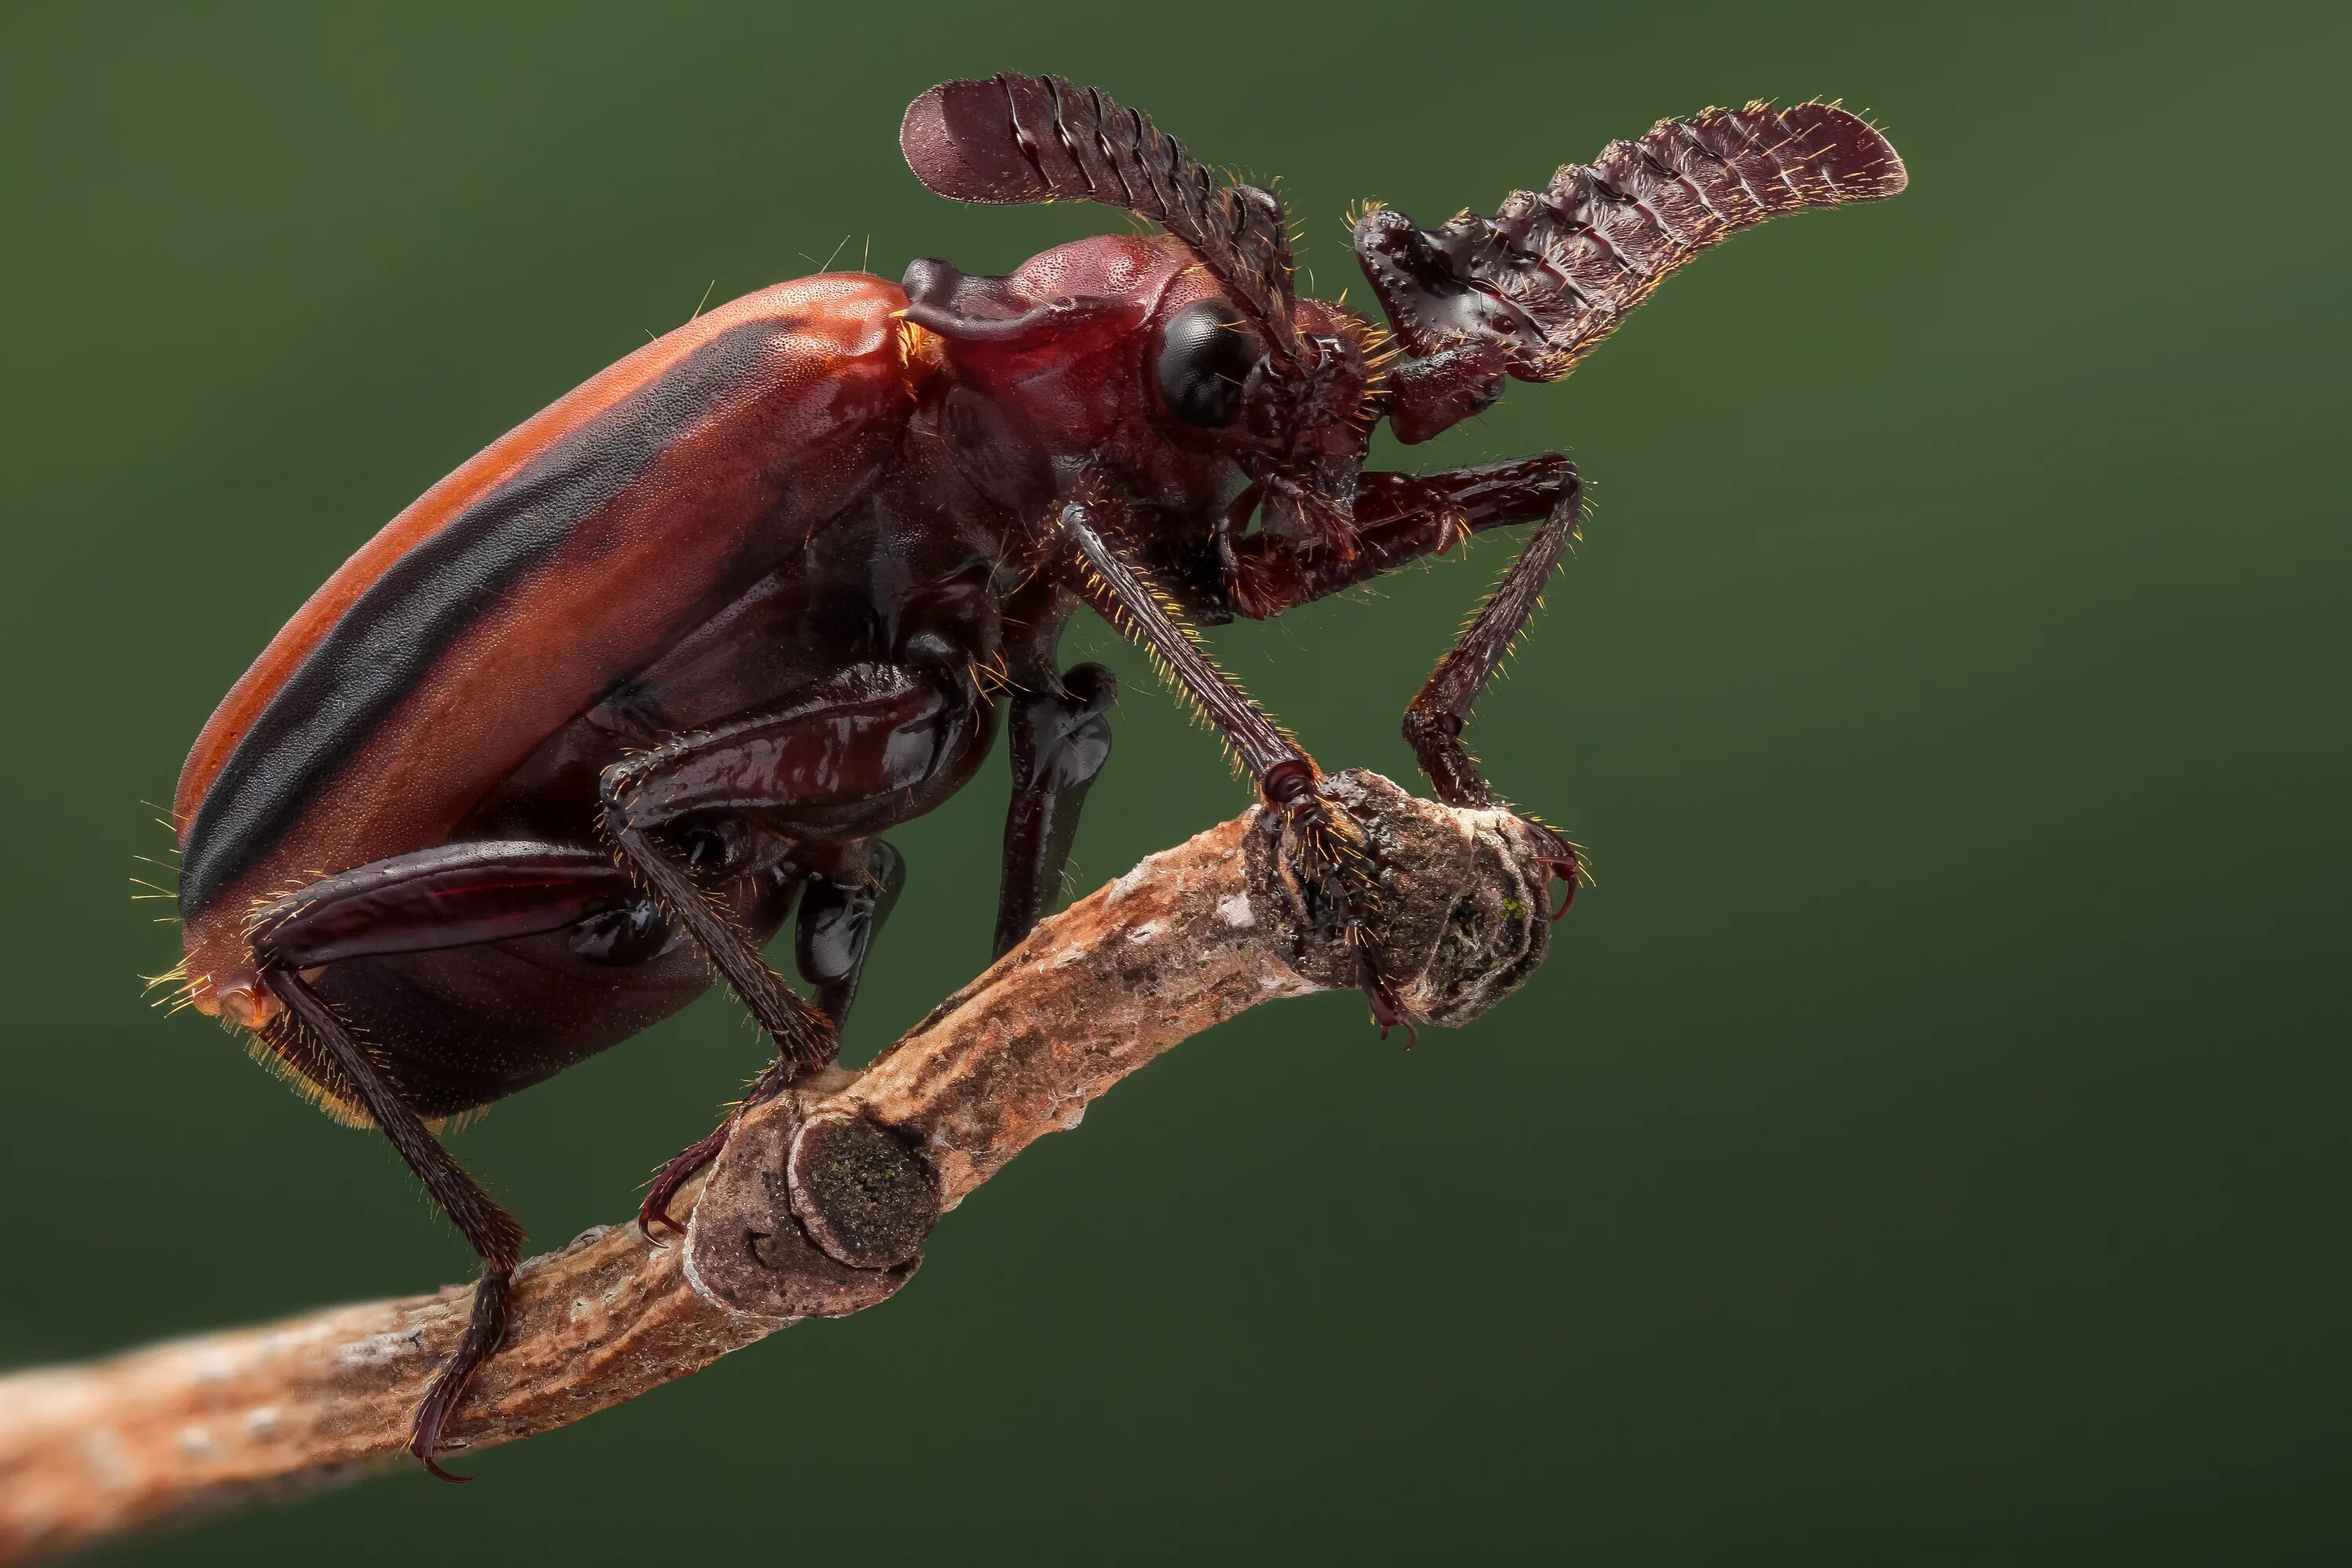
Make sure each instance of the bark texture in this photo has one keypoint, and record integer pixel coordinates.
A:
(818, 1208)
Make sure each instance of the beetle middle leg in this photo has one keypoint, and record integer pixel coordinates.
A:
(842, 909)
(852, 753)
(1399, 519)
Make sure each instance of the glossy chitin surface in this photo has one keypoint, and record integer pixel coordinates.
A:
(800, 487)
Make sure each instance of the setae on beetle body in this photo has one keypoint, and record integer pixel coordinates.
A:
(655, 671)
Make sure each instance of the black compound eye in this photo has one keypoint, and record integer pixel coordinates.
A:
(1206, 352)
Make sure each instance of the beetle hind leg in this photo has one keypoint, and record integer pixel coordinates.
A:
(432, 903)
(492, 1232)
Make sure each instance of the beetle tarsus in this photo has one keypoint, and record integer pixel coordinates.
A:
(654, 1210)
(654, 1213)
(486, 1326)
(1343, 902)
(1566, 864)
(1388, 1011)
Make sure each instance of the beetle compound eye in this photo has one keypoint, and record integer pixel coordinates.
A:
(1206, 352)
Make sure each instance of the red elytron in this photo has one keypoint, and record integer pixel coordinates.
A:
(589, 719)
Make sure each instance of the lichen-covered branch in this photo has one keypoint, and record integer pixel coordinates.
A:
(819, 1205)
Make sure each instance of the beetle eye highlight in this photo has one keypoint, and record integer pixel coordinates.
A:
(1206, 352)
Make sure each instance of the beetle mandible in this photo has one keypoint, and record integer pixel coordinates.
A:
(585, 723)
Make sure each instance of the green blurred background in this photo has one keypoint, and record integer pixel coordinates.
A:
(1926, 1143)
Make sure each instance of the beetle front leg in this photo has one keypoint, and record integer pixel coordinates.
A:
(1404, 518)
(1399, 519)
(1433, 723)
(1345, 893)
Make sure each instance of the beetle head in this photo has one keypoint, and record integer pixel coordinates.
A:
(1235, 362)
(1299, 427)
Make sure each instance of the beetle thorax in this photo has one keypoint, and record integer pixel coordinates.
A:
(1117, 363)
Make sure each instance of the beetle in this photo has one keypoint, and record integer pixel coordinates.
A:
(654, 672)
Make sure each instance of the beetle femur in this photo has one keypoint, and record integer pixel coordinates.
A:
(1017, 139)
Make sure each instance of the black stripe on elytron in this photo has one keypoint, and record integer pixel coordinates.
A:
(399, 626)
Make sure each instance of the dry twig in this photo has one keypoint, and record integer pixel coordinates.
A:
(820, 1204)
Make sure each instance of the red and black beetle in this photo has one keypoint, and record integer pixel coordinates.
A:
(584, 723)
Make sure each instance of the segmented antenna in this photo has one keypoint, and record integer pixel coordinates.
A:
(1017, 139)
(1554, 270)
